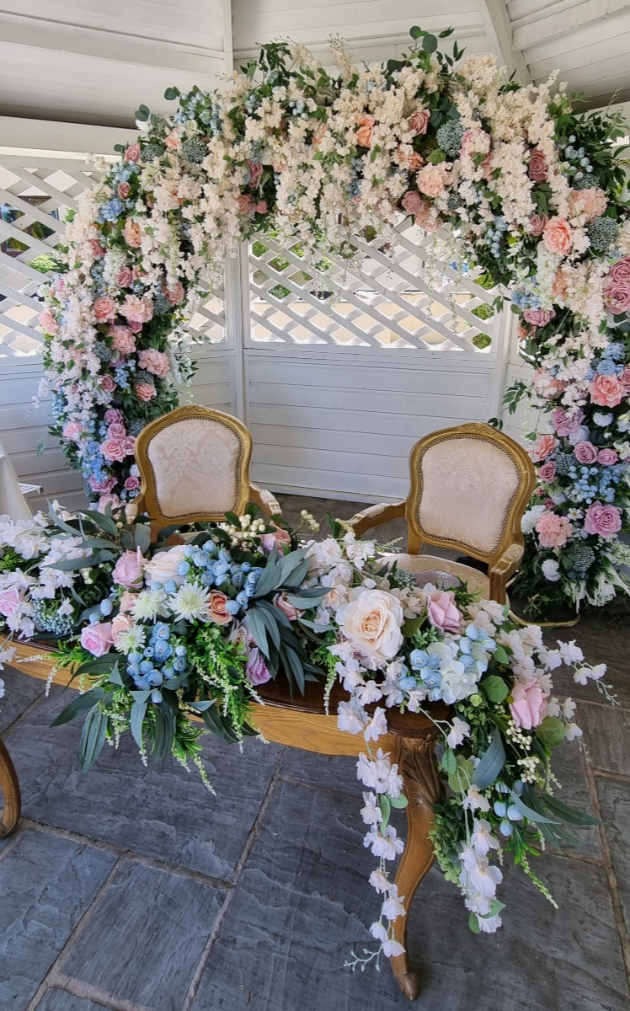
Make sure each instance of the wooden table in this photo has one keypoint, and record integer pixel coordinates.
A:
(302, 722)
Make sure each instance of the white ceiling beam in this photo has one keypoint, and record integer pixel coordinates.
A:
(565, 20)
(497, 25)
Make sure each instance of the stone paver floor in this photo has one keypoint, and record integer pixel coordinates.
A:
(134, 891)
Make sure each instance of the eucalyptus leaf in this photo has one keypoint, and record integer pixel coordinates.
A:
(142, 537)
(567, 813)
(92, 738)
(492, 761)
(106, 523)
(529, 812)
(79, 706)
(255, 625)
(136, 720)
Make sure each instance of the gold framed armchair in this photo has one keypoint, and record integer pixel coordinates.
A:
(469, 488)
(194, 464)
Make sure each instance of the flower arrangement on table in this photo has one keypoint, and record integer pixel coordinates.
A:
(158, 634)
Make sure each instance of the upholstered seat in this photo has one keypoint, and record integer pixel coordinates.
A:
(469, 488)
(194, 463)
(442, 572)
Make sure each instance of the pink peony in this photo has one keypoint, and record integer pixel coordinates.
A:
(586, 453)
(620, 271)
(566, 423)
(537, 170)
(255, 172)
(543, 447)
(217, 608)
(145, 391)
(132, 483)
(108, 384)
(97, 639)
(431, 179)
(123, 340)
(112, 415)
(125, 278)
(425, 216)
(155, 362)
(48, 321)
(364, 131)
(553, 531)
(97, 249)
(442, 612)
(547, 472)
(588, 204)
(602, 520)
(103, 487)
(419, 121)
(256, 669)
(124, 189)
(72, 430)
(139, 310)
(539, 317)
(128, 569)
(538, 223)
(10, 601)
(278, 539)
(132, 233)
(529, 705)
(104, 308)
(282, 603)
(176, 293)
(558, 236)
(617, 294)
(113, 450)
(606, 391)
(607, 457)
(133, 153)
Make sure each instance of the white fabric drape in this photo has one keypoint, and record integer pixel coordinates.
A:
(12, 501)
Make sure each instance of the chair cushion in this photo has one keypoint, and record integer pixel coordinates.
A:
(442, 572)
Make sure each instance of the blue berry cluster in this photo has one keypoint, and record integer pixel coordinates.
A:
(216, 567)
(159, 662)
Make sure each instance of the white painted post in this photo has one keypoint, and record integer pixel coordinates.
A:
(237, 325)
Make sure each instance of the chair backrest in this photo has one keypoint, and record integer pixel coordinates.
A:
(194, 464)
(469, 488)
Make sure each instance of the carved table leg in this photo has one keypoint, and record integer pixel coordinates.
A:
(422, 787)
(10, 787)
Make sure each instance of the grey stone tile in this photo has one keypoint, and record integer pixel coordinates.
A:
(20, 691)
(145, 938)
(166, 813)
(607, 736)
(615, 802)
(60, 1000)
(46, 885)
(568, 767)
(304, 901)
(328, 772)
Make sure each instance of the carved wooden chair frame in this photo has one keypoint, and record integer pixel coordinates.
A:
(504, 561)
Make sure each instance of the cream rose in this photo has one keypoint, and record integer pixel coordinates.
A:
(371, 620)
(163, 566)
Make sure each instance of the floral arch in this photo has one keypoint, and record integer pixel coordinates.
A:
(533, 192)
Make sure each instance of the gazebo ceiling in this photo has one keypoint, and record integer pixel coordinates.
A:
(85, 61)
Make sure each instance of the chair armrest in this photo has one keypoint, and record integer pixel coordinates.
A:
(377, 514)
(503, 569)
(267, 502)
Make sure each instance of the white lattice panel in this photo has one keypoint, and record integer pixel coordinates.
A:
(409, 295)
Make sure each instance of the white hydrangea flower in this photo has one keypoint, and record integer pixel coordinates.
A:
(551, 570)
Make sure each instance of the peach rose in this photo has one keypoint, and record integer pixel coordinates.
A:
(543, 447)
(217, 608)
(127, 601)
(553, 530)
(419, 121)
(104, 308)
(558, 236)
(371, 621)
(364, 131)
(145, 391)
(606, 391)
(132, 233)
(121, 623)
(173, 140)
(409, 160)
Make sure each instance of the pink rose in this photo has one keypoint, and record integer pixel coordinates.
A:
(442, 612)
(553, 531)
(566, 423)
(588, 204)
(132, 483)
(112, 450)
(431, 179)
(538, 223)
(425, 216)
(602, 520)
(104, 308)
(124, 189)
(256, 669)
(278, 539)
(108, 500)
(606, 391)
(128, 569)
(282, 603)
(364, 131)
(121, 623)
(255, 172)
(617, 295)
(419, 121)
(132, 153)
(97, 639)
(216, 608)
(548, 471)
(620, 271)
(176, 293)
(116, 431)
(145, 391)
(260, 207)
(537, 170)
(607, 457)
(112, 415)
(129, 445)
(97, 249)
(529, 705)
(108, 384)
(586, 453)
(245, 203)
(543, 447)
(48, 321)
(125, 278)
(155, 362)
(127, 602)
(72, 430)
(558, 236)
(134, 326)
(123, 340)
(139, 310)
(132, 233)
(539, 317)
(10, 601)
(624, 380)
(103, 487)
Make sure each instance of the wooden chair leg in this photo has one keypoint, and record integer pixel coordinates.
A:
(10, 787)
(418, 766)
